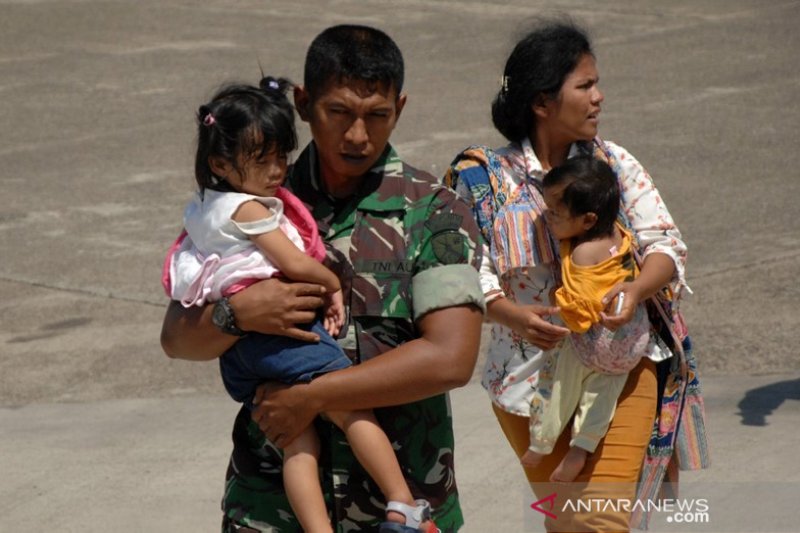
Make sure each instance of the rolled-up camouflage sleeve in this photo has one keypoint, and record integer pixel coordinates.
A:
(449, 258)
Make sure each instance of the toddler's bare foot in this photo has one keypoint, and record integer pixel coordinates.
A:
(531, 459)
(570, 466)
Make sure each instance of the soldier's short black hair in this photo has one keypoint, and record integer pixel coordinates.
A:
(353, 52)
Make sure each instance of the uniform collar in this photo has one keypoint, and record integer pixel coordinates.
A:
(378, 192)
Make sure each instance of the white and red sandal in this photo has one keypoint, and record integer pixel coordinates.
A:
(415, 517)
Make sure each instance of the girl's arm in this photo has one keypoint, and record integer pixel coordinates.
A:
(288, 258)
(270, 306)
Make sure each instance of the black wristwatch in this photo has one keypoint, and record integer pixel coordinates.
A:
(223, 318)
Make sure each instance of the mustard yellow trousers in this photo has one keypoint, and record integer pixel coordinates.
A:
(610, 473)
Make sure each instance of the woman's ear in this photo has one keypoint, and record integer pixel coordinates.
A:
(540, 106)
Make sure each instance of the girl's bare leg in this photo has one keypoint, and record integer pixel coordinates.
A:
(375, 453)
(301, 481)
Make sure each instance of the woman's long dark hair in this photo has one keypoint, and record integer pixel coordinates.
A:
(537, 66)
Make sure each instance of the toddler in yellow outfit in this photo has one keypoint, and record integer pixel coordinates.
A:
(583, 200)
(583, 286)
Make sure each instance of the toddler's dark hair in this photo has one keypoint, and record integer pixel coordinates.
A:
(591, 187)
(243, 119)
(353, 52)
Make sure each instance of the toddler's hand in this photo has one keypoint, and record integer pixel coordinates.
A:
(334, 313)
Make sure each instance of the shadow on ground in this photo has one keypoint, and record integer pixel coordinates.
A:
(761, 402)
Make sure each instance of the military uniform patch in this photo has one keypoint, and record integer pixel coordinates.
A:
(449, 247)
(444, 222)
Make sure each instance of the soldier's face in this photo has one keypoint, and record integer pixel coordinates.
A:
(351, 123)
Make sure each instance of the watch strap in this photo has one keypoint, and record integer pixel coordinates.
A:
(224, 318)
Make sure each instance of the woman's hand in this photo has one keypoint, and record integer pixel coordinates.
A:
(528, 322)
(283, 411)
(656, 272)
(532, 326)
(631, 295)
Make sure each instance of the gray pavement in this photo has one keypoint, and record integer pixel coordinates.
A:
(100, 431)
(132, 465)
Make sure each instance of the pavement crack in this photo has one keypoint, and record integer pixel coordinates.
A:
(94, 293)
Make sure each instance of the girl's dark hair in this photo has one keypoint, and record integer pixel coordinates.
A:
(536, 67)
(592, 187)
(242, 119)
(353, 52)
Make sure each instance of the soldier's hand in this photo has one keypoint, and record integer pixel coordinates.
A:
(275, 306)
(282, 411)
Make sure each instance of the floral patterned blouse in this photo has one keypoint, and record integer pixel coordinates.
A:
(520, 259)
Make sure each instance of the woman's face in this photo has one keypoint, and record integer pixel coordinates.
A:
(574, 114)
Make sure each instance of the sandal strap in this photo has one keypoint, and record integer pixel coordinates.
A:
(416, 515)
(393, 527)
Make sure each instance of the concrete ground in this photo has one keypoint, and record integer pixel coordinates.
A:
(158, 464)
(100, 431)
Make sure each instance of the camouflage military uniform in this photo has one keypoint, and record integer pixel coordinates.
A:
(402, 246)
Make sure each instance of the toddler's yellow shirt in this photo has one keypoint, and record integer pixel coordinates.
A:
(585, 285)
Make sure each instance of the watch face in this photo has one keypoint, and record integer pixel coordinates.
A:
(219, 317)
